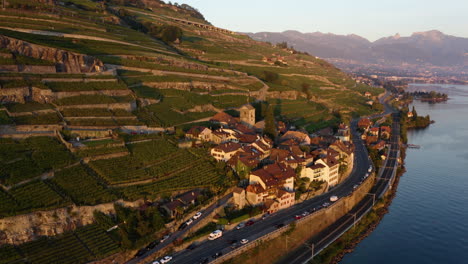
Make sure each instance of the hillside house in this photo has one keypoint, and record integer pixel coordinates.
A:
(225, 151)
(274, 176)
(181, 203)
(199, 133)
(300, 137)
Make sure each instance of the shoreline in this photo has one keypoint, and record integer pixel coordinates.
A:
(337, 250)
(380, 211)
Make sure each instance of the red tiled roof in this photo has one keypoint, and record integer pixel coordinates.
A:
(274, 174)
(222, 118)
(255, 188)
(228, 147)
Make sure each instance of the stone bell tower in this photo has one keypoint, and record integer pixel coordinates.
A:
(247, 114)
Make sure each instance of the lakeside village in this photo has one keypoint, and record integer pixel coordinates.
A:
(275, 174)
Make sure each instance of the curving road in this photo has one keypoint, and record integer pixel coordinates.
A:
(361, 164)
(208, 248)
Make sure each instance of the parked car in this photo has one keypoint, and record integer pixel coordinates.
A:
(193, 246)
(182, 226)
(280, 225)
(215, 234)
(166, 259)
(197, 215)
(297, 217)
(240, 225)
(250, 222)
(155, 262)
(244, 241)
(233, 241)
(355, 186)
(333, 198)
(235, 245)
(325, 204)
(265, 216)
(164, 238)
(305, 213)
(153, 244)
(141, 252)
(189, 222)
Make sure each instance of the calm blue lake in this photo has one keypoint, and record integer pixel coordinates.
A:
(428, 219)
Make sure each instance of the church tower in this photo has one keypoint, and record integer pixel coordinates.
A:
(247, 114)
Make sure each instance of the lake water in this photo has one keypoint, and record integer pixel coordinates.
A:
(428, 219)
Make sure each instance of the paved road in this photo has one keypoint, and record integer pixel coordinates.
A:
(181, 233)
(361, 164)
(260, 228)
(319, 242)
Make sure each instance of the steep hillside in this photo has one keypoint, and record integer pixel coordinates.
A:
(86, 84)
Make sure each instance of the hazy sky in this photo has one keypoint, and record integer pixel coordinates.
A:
(368, 18)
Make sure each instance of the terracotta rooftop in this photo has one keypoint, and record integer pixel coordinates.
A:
(274, 174)
(228, 147)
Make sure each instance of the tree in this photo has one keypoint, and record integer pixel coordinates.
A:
(270, 125)
(415, 114)
(306, 91)
(270, 76)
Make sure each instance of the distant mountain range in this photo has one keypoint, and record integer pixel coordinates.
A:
(430, 48)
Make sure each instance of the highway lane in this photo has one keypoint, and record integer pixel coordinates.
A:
(317, 243)
(361, 164)
(181, 233)
(209, 248)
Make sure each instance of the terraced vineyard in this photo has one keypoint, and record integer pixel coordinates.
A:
(84, 245)
(155, 160)
(36, 195)
(25, 159)
(202, 174)
(89, 192)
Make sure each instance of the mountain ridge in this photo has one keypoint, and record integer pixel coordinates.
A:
(429, 47)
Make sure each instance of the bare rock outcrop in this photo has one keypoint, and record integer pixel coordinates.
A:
(66, 61)
(28, 227)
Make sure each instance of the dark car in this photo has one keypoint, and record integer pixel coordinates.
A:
(182, 226)
(204, 261)
(192, 246)
(217, 255)
(233, 241)
(280, 225)
(249, 223)
(141, 252)
(153, 244)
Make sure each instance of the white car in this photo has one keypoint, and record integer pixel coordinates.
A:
(166, 259)
(155, 262)
(333, 198)
(189, 222)
(240, 225)
(197, 215)
(215, 234)
(164, 238)
(244, 241)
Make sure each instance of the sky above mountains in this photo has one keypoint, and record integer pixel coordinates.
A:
(367, 18)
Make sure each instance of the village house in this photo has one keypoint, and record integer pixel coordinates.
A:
(199, 133)
(178, 205)
(238, 196)
(374, 131)
(223, 119)
(385, 132)
(343, 133)
(274, 176)
(345, 151)
(284, 199)
(225, 151)
(300, 137)
(364, 123)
